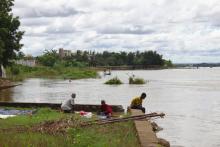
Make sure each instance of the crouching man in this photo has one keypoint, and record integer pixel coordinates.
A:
(136, 103)
(68, 105)
(106, 110)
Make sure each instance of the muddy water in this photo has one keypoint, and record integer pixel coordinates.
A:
(189, 97)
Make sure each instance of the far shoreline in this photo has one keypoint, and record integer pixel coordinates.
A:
(151, 67)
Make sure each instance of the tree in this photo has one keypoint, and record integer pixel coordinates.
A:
(10, 35)
(168, 63)
(152, 58)
(49, 58)
(20, 55)
(131, 58)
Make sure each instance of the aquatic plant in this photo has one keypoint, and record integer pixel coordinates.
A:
(114, 81)
(133, 80)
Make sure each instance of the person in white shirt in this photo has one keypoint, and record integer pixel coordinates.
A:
(68, 105)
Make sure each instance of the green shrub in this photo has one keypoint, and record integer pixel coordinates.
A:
(15, 70)
(114, 81)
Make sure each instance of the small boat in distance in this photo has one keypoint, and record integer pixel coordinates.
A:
(107, 72)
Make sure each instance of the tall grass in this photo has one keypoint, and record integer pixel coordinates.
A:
(19, 72)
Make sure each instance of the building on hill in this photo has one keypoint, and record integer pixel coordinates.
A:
(64, 53)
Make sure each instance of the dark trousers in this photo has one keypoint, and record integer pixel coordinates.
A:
(68, 111)
(138, 107)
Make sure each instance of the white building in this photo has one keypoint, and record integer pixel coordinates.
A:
(30, 63)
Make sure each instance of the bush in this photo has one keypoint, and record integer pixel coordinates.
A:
(114, 81)
(15, 70)
(133, 80)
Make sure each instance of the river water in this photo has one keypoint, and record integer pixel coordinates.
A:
(190, 98)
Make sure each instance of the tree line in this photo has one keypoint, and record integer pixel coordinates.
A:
(106, 58)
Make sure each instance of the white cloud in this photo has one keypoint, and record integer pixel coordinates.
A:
(183, 31)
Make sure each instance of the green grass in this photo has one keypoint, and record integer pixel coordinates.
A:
(43, 114)
(19, 72)
(114, 81)
(111, 135)
(30, 139)
(114, 135)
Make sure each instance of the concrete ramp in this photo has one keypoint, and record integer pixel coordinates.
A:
(146, 135)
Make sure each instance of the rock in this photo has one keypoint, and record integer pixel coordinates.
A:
(128, 109)
(163, 142)
(155, 127)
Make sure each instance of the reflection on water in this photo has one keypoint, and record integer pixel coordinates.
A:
(190, 98)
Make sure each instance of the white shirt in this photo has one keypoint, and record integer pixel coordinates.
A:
(67, 104)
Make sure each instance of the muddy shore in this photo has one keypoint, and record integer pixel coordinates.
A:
(5, 83)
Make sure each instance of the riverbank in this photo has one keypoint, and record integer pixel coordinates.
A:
(49, 127)
(5, 83)
(19, 72)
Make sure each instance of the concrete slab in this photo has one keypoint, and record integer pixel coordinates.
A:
(145, 132)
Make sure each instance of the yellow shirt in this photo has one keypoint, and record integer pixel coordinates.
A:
(137, 101)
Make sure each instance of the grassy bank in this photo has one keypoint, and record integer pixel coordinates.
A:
(19, 72)
(17, 131)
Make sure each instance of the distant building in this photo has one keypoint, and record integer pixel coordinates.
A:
(30, 63)
(64, 53)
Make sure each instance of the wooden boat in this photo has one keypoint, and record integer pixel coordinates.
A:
(107, 73)
(77, 107)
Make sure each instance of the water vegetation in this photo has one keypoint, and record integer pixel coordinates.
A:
(43, 129)
(133, 80)
(114, 81)
(19, 72)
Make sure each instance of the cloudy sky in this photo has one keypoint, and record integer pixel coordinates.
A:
(184, 31)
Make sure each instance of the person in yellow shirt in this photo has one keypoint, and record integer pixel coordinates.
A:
(136, 103)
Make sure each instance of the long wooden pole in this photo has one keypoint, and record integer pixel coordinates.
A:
(136, 117)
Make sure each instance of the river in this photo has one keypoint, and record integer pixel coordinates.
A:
(190, 98)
